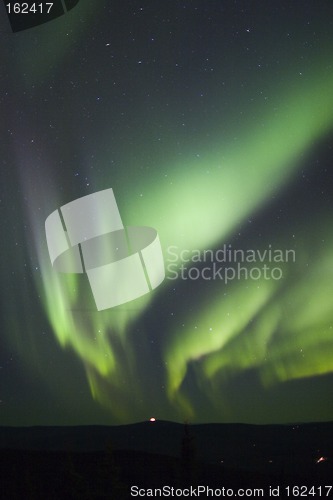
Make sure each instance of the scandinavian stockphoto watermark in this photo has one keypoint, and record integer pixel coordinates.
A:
(227, 263)
(87, 236)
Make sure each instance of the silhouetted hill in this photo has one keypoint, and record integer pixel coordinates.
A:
(214, 442)
(95, 461)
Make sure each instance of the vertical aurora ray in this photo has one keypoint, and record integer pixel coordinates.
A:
(98, 338)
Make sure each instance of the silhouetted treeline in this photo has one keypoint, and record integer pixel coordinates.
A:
(252, 463)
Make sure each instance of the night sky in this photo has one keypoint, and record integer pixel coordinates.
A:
(212, 120)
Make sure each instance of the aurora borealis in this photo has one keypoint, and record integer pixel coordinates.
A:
(212, 121)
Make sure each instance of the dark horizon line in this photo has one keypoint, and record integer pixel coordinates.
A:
(159, 421)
